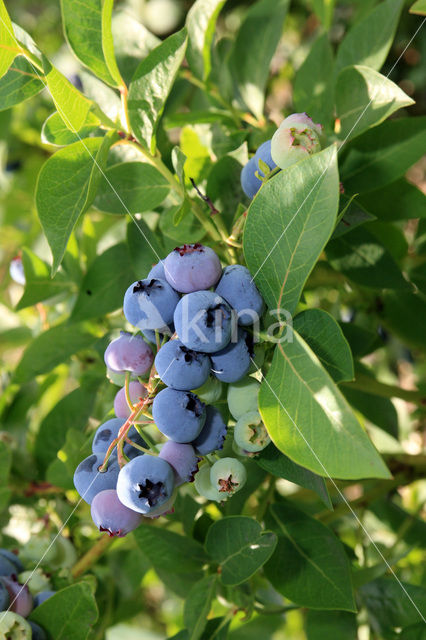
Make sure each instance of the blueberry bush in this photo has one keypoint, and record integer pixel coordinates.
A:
(212, 320)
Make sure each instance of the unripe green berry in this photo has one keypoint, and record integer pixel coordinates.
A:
(250, 433)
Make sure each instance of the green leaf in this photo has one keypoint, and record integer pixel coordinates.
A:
(361, 341)
(414, 631)
(383, 154)
(364, 98)
(8, 45)
(197, 606)
(224, 187)
(131, 187)
(400, 200)
(288, 224)
(180, 224)
(324, 336)
(108, 42)
(253, 49)
(152, 84)
(104, 284)
(313, 84)
(362, 258)
(280, 465)
(84, 26)
(331, 624)
(72, 411)
(145, 249)
(132, 42)
(66, 188)
(309, 565)
(353, 216)
(324, 10)
(393, 517)
(419, 8)
(55, 132)
(72, 106)
(5, 465)
(79, 602)
(173, 552)
(240, 547)
(201, 22)
(19, 83)
(38, 283)
(178, 161)
(50, 348)
(309, 420)
(379, 411)
(370, 39)
(391, 605)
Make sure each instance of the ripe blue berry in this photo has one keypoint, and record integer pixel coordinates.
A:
(7, 567)
(250, 433)
(212, 434)
(204, 486)
(42, 597)
(264, 153)
(110, 515)
(228, 475)
(192, 267)
(129, 353)
(150, 303)
(204, 321)
(180, 367)
(21, 600)
(242, 397)
(4, 597)
(136, 391)
(250, 183)
(182, 458)
(145, 483)
(157, 271)
(179, 415)
(149, 334)
(296, 138)
(163, 509)
(89, 481)
(13, 558)
(232, 363)
(236, 286)
(108, 432)
(38, 632)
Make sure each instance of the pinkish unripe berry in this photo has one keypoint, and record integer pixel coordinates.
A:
(296, 138)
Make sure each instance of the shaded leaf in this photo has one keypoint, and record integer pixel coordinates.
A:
(50, 348)
(239, 546)
(383, 154)
(172, 551)
(393, 604)
(331, 624)
(275, 462)
(309, 565)
(144, 247)
(38, 283)
(313, 84)
(55, 132)
(197, 606)
(131, 187)
(79, 602)
(369, 40)
(362, 258)
(400, 200)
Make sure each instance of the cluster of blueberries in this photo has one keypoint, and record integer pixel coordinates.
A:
(296, 138)
(19, 595)
(199, 317)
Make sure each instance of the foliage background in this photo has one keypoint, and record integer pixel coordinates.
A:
(386, 338)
